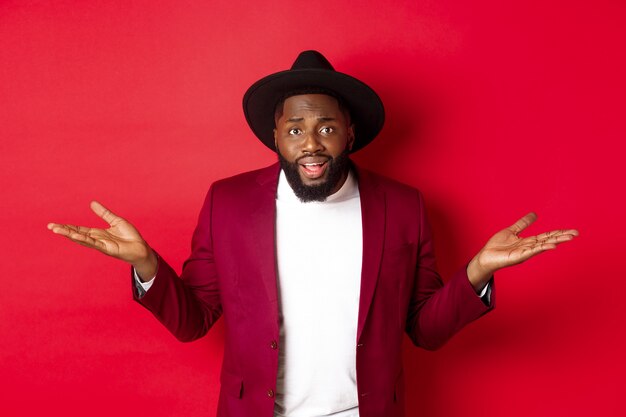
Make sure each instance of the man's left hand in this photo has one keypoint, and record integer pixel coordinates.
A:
(507, 248)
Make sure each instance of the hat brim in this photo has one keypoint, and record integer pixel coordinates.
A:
(366, 108)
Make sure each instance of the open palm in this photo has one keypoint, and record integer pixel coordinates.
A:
(507, 248)
(121, 240)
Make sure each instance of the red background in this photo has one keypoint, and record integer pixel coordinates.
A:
(494, 109)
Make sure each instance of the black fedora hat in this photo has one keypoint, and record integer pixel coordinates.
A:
(312, 70)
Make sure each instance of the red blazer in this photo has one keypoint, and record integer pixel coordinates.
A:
(232, 273)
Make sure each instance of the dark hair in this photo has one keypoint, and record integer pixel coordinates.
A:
(278, 109)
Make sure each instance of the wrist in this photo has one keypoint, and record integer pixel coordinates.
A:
(146, 266)
(477, 274)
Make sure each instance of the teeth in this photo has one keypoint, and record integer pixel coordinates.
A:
(310, 165)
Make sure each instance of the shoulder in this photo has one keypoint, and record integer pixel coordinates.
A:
(248, 180)
(402, 204)
(245, 190)
(389, 186)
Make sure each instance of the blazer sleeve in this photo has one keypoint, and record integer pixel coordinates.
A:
(438, 311)
(190, 304)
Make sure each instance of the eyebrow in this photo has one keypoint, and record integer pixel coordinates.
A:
(321, 119)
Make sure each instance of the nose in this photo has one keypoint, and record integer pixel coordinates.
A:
(312, 144)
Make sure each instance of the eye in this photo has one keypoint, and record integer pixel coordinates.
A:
(294, 131)
(327, 130)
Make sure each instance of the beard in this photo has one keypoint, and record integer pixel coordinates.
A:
(335, 171)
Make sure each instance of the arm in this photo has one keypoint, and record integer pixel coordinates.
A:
(438, 311)
(186, 307)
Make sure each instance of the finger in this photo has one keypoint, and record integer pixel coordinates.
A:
(66, 229)
(104, 213)
(559, 239)
(86, 241)
(556, 233)
(542, 247)
(80, 229)
(79, 234)
(53, 226)
(536, 250)
(550, 237)
(59, 229)
(523, 223)
(532, 242)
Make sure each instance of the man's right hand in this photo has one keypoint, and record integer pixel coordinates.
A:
(121, 240)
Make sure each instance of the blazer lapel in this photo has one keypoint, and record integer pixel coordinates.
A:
(263, 231)
(263, 226)
(373, 219)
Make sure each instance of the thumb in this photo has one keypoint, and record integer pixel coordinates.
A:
(104, 213)
(523, 223)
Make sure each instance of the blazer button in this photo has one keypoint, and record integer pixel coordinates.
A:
(270, 393)
(273, 344)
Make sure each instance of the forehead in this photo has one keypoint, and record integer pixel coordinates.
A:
(311, 103)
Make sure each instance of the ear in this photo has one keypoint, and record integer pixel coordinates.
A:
(350, 136)
(275, 141)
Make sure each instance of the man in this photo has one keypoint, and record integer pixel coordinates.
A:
(317, 266)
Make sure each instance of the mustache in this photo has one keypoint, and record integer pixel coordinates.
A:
(328, 157)
(337, 167)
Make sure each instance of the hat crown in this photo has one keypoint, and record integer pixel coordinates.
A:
(311, 60)
(312, 70)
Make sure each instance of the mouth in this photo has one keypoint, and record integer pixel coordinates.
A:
(312, 168)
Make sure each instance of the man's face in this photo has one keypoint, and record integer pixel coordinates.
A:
(313, 137)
